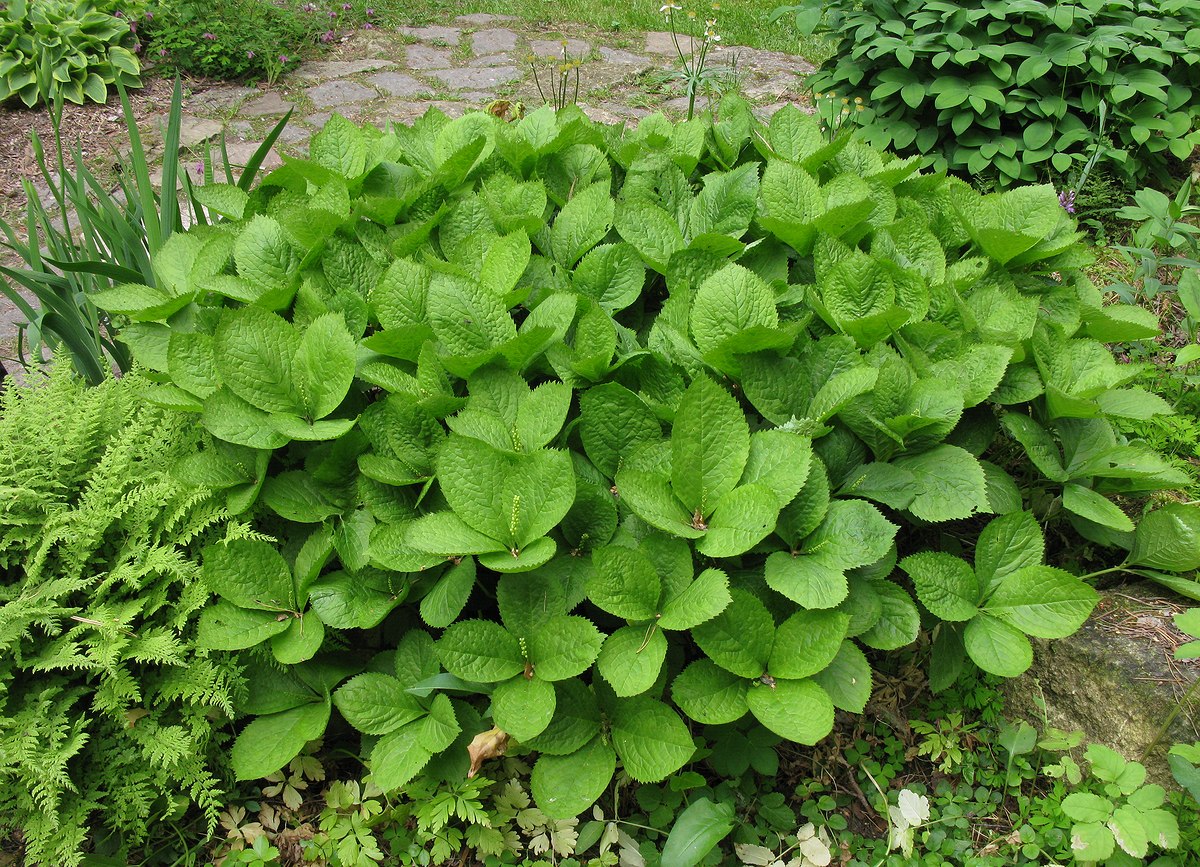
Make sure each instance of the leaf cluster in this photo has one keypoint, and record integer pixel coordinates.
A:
(655, 430)
(107, 710)
(1013, 90)
(69, 49)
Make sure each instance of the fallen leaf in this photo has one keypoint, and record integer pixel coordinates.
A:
(484, 746)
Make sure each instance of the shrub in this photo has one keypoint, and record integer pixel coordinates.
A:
(1014, 90)
(676, 420)
(67, 48)
(108, 713)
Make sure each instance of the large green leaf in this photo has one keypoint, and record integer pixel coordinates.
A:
(798, 710)
(709, 446)
(565, 785)
(1168, 538)
(650, 738)
(1043, 601)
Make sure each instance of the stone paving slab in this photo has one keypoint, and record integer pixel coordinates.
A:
(337, 92)
(493, 41)
(576, 48)
(196, 130)
(473, 79)
(267, 104)
(399, 84)
(427, 57)
(433, 34)
(316, 70)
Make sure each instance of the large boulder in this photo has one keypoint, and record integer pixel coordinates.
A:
(1115, 679)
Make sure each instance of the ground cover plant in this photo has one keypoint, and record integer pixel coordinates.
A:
(109, 713)
(66, 49)
(600, 441)
(1018, 91)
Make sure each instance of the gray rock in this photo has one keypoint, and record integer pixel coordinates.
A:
(433, 34)
(602, 115)
(483, 19)
(294, 135)
(576, 48)
(604, 75)
(764, 112)
(241, 129)
(493, 41)
(427, 57)
(662, 42)
(398, 84)
(318, 70)
(772, 62)
(222, 96)
(624, 111)
(270, 103)
(489, 60)
(680, 104)
(477, 79)
(1114, 684)
(317, 121)
(775, 87)
(624, 58)
(334, 93)
(241, 151)
(194, 130)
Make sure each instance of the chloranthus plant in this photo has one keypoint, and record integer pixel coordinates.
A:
(602, 437)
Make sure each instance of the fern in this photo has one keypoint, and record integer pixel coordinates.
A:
(106, 707)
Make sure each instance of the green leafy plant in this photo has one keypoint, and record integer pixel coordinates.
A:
(1010, 90)
(693, 47)
(596, 431)
(110, 715)
(69, 49)
(100, 238)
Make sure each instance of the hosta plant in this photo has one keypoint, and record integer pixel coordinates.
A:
(1016, 90)
(592, 439)
(67, 48)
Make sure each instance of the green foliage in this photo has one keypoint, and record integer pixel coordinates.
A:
(233, 39)
(108, 712)
(101, 238)
(63, 49)
(1014, 90)
(644, 426)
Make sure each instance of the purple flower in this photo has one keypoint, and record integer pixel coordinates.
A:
(249, 55)
(328, 36)
(198, 168)
(346, 7)
(369, 12)
(283, 58)
(1067, 199)
(137, 48)
(162, 52)
(149, 16)
(309, 7)
(119, 14)
(368, 26)
(209, 36)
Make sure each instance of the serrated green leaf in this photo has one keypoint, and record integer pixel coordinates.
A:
(631, 659)
(614, 423)
(481, 651)
(899, 621)
(806, 643)
(739, 639)
(709, 694)
(945, 584)
(997, 647)
(697, 603)
(442, 605)
(798, 710)
(650, 738)
(225, 626)
(1168, 538)
(1006, 544)
(1043, 601)
(847, 679)
(697, 831)
(523, 707)
(709, 446)
(624, 583)
(950, 483)
(376, 704)
(563, 647)
(743, 518)
(270, 742)
(300, 641)
(397, 757)
(728, 302)
(250, 574)
(565, 786)
(576, 720)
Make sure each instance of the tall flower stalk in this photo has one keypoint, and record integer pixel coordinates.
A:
(693, 60)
